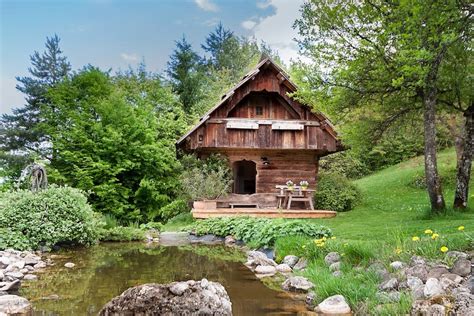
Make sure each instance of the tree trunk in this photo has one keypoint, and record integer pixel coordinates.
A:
(433, 182)
(464, 164)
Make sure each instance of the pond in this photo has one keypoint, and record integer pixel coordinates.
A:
(106, 270)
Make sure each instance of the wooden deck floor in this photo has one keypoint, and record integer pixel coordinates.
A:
(261, 212)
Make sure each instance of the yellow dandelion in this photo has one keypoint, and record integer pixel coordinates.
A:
(320, 245)
(428, 231)
(461, 228)
(333, 237)
(415, 238)
(434, 236)
(324, 238)
(444, 249)
(398, 250)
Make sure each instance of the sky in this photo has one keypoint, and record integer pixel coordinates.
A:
(116, 34)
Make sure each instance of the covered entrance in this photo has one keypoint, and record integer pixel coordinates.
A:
(245, 173)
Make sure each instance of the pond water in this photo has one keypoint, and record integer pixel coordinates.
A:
(106, 270)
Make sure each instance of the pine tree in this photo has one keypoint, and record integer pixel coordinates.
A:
(185, 73)
(21, 134)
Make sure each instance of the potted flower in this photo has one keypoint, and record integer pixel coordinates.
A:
(304, 185)
(290, 185)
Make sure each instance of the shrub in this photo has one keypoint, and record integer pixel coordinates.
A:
(259, 231)
(206, 179)
(173, 209)
(335, 192)
(345, 164)
(57, 215)
(122, 233)
(151, 225)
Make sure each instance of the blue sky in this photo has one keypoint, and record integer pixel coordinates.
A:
(118, 33)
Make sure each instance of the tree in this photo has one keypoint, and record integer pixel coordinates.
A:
(385, 57)
(114, 137)
(185, 74)
(21, 135)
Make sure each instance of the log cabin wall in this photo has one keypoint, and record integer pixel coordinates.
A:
(295, 165)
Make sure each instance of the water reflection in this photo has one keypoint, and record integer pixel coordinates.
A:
(106, 270)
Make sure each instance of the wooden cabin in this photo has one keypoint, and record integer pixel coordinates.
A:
(268, 137)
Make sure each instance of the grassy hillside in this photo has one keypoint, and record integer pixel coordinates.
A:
(392, 205)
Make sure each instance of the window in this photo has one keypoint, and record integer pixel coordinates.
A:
(258, 110)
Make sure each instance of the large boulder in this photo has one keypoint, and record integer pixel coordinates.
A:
(331, 258)
(14, 305)
(258, 258)
(462, 267)
(297, 284)
(432, 288)
(334, 305)
(177, 298)
(419, 271)
(290, 260)
(301, 264)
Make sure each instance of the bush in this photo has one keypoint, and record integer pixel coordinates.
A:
(57, 215)
(336, 193)
(173, 209)
(206, 179)
(122, 233)
(151, 226)
(259, 231)
(344, 163)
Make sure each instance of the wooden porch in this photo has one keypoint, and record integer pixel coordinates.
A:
(262, 212)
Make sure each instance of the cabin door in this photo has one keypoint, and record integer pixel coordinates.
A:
(245, 173)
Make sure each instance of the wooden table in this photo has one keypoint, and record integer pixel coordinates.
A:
(297, 194)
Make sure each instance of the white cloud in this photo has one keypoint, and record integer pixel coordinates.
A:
(277, 29)
(248, 24)
(263, 4)
(129, 57)
(207, 5)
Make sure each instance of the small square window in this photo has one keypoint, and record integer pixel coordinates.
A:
(258, 110)
(200, 138)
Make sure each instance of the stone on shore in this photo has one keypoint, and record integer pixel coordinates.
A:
(283, 268)
(69, 265)
(290, 260)
(335, 305)
(14, 305)
(194, 298)
(297, 284)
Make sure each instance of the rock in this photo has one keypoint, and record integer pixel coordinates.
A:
(437, 310)
(462, 267)
(4, 262)
(397, 265)
(389, 285)
(290, 260)
(380, 270)
(158, 299)
(417, 260)
(334, 305)
(19, 264)
(420, 271)
(270, 253)
(337, 273)
(470, 284)
(31, 260)
(178, 288)
(310, 300)
(432, 288)
(301, 264)
(332, 257)
(463, 303)
(437, 272)
(183, 238)
(1, 275)
(297, 284)
(336, 266)
(69, 265)
(14, 305)
(229, 240)
(283, 268)
(453, 277)
(256, 258)
(30, 277)
(266, 270)
(14, 275)
(413, 282)
(418, 292)
(13, 286)
(446, 284)
(204, 283)
(40, 265)
(457, 254)
(388, 297)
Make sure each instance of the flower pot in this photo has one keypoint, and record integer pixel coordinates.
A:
(205, 204)
(304, 187)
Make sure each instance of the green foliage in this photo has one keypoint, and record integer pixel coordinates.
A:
(336, 193)
(344, 163)
(152, 226)
(259, 231)
(173, 209)
(122, 233)
(180, 222)
(448, 178)
(206, 179)
(57, 215)
(115, 138)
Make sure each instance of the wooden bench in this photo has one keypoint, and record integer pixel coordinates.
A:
(243, 205)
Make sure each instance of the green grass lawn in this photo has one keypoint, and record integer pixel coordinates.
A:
(391, 206)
